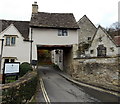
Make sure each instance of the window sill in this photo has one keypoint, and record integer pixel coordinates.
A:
(10, 45)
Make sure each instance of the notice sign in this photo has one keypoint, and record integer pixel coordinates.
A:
(11, 68)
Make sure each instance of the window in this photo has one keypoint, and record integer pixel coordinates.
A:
(6, 60)
(10, 40)
(112, 49)
(89, 38)
(91, 51)
(101, 50)
(7, 41)
(9, 60)
(100, 39)
(12, 60)
(62, 32)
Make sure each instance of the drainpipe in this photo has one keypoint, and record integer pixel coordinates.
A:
(1, 53)
(31, 47)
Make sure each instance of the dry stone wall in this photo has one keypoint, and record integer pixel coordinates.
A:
(21, 91)
(105, 75)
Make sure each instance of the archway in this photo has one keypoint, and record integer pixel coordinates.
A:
(63, 54)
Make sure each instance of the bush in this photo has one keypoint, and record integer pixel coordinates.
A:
(24, 68)
(55, 66)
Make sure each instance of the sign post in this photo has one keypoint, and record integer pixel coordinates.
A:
(10, 69)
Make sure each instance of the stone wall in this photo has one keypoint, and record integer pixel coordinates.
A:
(20, 91)
(99, 72)
(87, 29)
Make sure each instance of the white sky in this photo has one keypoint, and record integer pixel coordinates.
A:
(103, 12)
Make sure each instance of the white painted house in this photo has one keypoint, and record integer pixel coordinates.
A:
(50, 31)
(53, 31)
(16, 47)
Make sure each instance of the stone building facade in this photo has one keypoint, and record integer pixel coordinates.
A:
(87, 29)
(102, 45)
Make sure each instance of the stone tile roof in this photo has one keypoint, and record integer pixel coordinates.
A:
(53, 20)
(117, 40)
(22, 26)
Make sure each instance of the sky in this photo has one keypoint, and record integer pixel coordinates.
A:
(100, 12)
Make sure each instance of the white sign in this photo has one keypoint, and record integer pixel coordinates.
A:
(11, 68)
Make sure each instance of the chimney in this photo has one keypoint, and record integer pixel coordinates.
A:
(35, 7)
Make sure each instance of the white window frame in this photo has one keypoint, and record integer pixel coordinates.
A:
(62, 32)
(11, 41)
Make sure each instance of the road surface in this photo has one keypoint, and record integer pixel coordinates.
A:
(54, 88)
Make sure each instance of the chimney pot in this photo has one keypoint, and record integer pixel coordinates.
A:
(35, 7)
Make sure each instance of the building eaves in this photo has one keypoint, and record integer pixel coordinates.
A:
(22, 26)
(53, 20)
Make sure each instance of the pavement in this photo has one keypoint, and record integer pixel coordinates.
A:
(57, 89)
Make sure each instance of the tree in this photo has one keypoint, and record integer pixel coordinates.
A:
(114, 29)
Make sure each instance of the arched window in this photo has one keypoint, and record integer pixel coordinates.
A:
(101, 51)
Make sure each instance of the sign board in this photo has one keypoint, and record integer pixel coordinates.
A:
(11, 68)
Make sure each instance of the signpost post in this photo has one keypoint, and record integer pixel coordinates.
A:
(10, 69)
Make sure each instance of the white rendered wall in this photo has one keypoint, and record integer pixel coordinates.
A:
(56, 58)
(50, 37)
(21, 50)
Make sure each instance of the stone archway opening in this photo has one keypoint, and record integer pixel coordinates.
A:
(60, 55)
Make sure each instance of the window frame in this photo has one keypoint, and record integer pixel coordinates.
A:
(89, 38)
(62, 32)
(92, 51)
(7, 43)
(101, 51)
(11, 41)
(9, 60)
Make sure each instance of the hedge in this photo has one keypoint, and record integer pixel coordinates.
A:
(24, 68)
(21, 91)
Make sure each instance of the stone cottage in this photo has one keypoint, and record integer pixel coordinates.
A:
(85, 34)
(87, 30)
(102, 45)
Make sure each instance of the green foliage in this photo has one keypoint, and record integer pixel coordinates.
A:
(24, 68)
(20, 92)
(56, 67)
(10, 79)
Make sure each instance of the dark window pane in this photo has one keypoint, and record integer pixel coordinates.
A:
(6, 60)
(62, 32)
(8, 41)
(12, 60)
(13, 41)
(101, 50)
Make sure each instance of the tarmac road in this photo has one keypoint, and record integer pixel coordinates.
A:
(53, 88)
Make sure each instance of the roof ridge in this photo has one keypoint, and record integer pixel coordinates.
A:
(14, 20)
(54, 13)
(87, 19)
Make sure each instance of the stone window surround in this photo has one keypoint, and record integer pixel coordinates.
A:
(11, 40)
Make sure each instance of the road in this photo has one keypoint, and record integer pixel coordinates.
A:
(55, 88)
